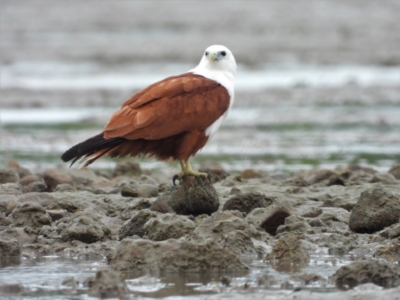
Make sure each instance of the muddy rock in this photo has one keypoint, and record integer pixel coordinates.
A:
(10, 248)
(395, 171)
(385, 178)
(143, 190)
(127, 168)
(287, 251)
(250, 173)
(108, 284)
(135, 225)
(168, 226)
(215, 173)
(195, 195)
(365, 271)
(294, 224)
(323, 178)
(376, 209)
(83, 226)
(239, 243)
(161, 205)
(389, 251)
(31, 214)
(247, 202)
(8, 175)
(223, 222)
(391, 232)
(335, 242)
(270, 218)
(54, 177)
(174, 256)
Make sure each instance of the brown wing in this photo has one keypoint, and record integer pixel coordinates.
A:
(174, 105)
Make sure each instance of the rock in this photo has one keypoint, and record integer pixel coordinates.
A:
(8, 175)
(12, 289)
(337, 243)
(270, 218)
(195, 195)
(391, 232)
(323, 178)
(250, 173)
(9, 248)
(389, 251)
(64, 187)
(22, 172)
(238, 242)
(161, 205)
(307, 279)
(167, 226)
(174, 256)
(288, 254)
(365, 271)
(83, 226)
(395, 171)
(310, 212)
(385, 178)
(31, 215)
(29, 179)
(293, 224)
(135, 225)
(143, 190)
(376, 209)
(247, 202)
(54, 177)
(108, 284)
(223, 222)
(57, 214)
(215, 174)
(127, 168)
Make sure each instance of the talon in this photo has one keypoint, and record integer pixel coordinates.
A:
(175, 178)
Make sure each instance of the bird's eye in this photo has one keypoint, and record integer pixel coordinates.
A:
(206, 54)
(223, 53)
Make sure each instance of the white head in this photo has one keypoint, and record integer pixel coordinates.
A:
(217, 57)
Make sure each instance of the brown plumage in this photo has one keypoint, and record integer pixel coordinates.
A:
(166, 120)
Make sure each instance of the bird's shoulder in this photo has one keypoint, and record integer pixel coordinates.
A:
(171, 87)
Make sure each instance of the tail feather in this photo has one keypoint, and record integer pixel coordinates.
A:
(91, 149)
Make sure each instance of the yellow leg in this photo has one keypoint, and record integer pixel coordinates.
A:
(187, 170)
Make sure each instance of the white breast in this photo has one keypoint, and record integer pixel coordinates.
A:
(227, 81)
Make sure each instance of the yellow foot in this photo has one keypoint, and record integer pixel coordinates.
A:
(187, 171)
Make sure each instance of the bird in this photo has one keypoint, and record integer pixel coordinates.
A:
(171, 119)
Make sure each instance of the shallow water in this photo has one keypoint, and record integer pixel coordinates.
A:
(43, 277)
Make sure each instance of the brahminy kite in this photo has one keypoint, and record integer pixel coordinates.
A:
(170, 119)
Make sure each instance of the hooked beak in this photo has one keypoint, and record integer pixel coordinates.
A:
(213, 57)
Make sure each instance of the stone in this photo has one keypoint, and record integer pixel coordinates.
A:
(376, 209)
(194, 196)
(247, 202)
(395, 171)
(366, 271)
(215, 173)
(288, 254)
(385, 178)
(293, 224)
(168, 226)
(8, 175)
(271, 217)
(54, 177)
(108, 284)
(135, 225)
(250, 173)
(143, 190)
(84, 226)
(31, 215)
(127, 168)
(9, 248)
(174, 256)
